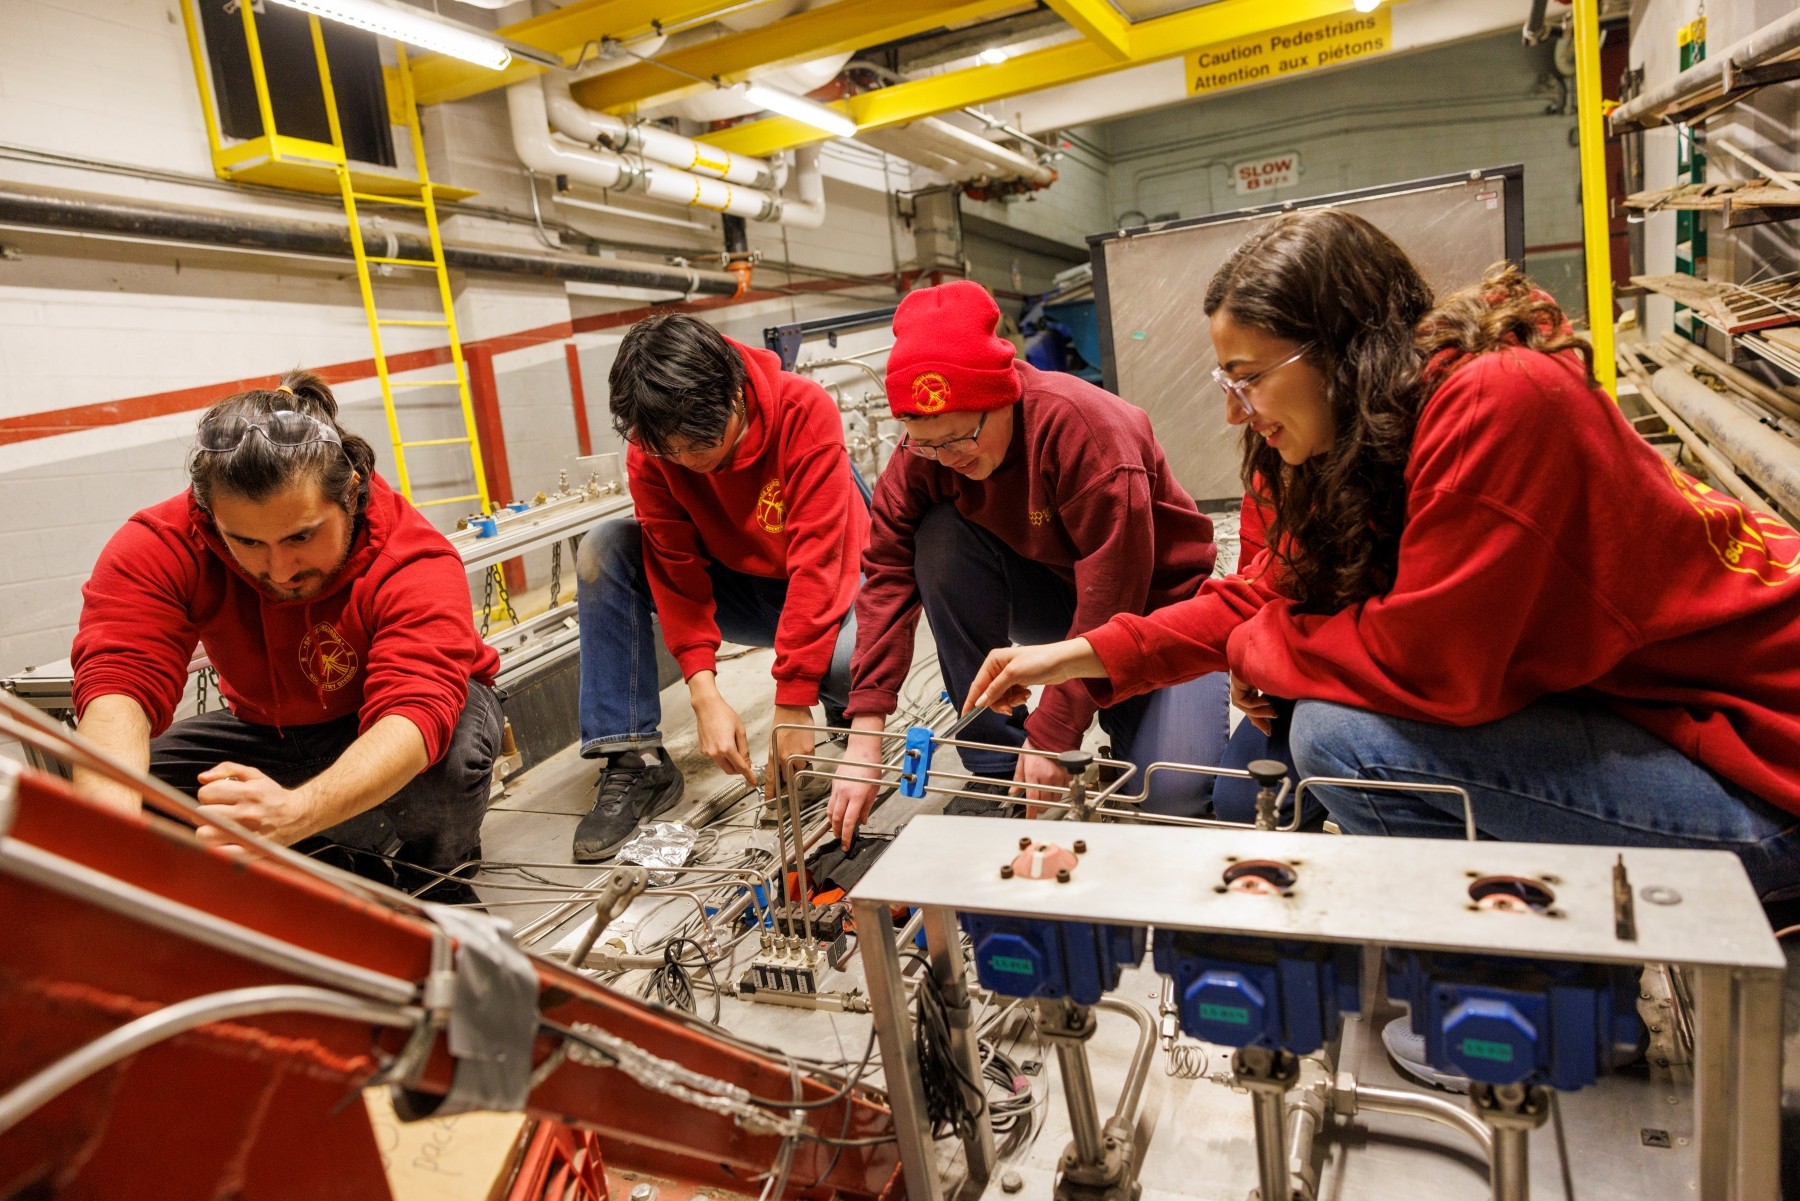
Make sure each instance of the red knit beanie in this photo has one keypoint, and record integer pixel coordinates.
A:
(946, 356)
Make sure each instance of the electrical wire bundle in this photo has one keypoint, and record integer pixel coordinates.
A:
(1011, 1112)
(952, 1099)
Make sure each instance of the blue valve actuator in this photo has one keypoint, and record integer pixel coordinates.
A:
(1043, 957)
(1242, 992)
(484, 527)
(1509, 1021)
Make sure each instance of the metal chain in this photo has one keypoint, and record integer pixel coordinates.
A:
(555, 573)
(200, 688)
(487, 601)
(498, 575)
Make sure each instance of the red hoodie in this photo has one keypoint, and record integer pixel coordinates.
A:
(783, 506)
(1547, 549)
(390, 633)
(1084, 489)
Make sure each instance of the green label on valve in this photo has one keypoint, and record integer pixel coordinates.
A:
(1476, 1048)
(1224, 1013)
(1010, 964)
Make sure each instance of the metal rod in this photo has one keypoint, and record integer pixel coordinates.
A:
(21, 1101)
(55, 208)
(1269, 1109)
(1078, 1095)
(1404, 1103)
(1511, 1164)
(906, 1093)
(1716, 463)
(1595, 205)
(1126, 1111)
(1392, 786)
(943, 944)
(1769, 459)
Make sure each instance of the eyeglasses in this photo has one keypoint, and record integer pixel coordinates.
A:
(283, 427)
(737, 409)
(931, 450)
(1239, 389)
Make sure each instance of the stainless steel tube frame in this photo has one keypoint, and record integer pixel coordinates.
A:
(1737, 1082)
(899, 1057)
(943, 944)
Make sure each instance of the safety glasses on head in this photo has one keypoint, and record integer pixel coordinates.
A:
(1238, 390)
(283, 427)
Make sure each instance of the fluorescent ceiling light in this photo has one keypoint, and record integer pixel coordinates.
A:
(413, 27)
(993, 56)
(1367, 6)
(800, 109)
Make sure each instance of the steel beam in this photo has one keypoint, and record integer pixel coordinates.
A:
(833, 29)
(1151, 41)
(1595, 207)
(1099, 22)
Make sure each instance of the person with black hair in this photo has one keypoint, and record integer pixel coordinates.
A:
(1476, 572)
(362, 723)
(750, 525)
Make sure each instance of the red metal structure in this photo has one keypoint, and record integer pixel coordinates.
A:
(106, 918)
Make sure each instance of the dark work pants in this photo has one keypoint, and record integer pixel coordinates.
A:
(433, 822)
(980, 594)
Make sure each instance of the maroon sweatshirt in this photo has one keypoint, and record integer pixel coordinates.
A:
(390, 633)
(1548, 549)
(1084, 489)
(783, 507)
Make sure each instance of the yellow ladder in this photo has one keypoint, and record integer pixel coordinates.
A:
(422, 202)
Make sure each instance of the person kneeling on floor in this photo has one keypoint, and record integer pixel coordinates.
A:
(362, 725)
(750, 524)
(1477, 573)
(1028, 506)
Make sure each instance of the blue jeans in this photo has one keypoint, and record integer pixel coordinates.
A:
(621, 702)
(1561, 770)
(1234, 800)
(980, 594)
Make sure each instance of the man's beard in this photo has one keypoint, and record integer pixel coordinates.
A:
(312, 582)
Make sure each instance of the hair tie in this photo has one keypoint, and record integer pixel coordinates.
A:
(284, 388)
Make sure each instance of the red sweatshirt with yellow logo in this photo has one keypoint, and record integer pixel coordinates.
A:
(784, 506)
(1085, 490)
(390, 633)
(1548, 549)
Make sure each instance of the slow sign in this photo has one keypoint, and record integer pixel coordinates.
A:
(1266, 174)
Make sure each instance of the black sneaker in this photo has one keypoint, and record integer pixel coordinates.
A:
(629, 791)
(978, 806)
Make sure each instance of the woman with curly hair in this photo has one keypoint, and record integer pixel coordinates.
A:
(1476, 573)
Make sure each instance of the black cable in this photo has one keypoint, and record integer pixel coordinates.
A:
(953, 1101)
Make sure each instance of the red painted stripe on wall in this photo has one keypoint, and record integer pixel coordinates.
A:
(31, 426)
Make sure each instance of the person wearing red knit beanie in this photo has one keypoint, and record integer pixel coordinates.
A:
(1022, 506)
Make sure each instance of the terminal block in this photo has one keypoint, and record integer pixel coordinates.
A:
(1256, 992)
(1510, 1021)
(1038, 957)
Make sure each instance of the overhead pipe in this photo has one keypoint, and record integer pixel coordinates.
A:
(1708, 79)
(55, 208)
(541, 151)
(607, 132)
(1769, 459)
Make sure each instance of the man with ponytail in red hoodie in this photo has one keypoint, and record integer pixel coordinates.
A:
(750, 524)
(362, 722)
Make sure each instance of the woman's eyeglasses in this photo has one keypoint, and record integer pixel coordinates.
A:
(1239, 389)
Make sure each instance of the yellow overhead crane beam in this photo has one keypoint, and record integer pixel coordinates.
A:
(1150, 41)
(565, 31)
(835, 28)
(832, 29)
(1099, 22)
